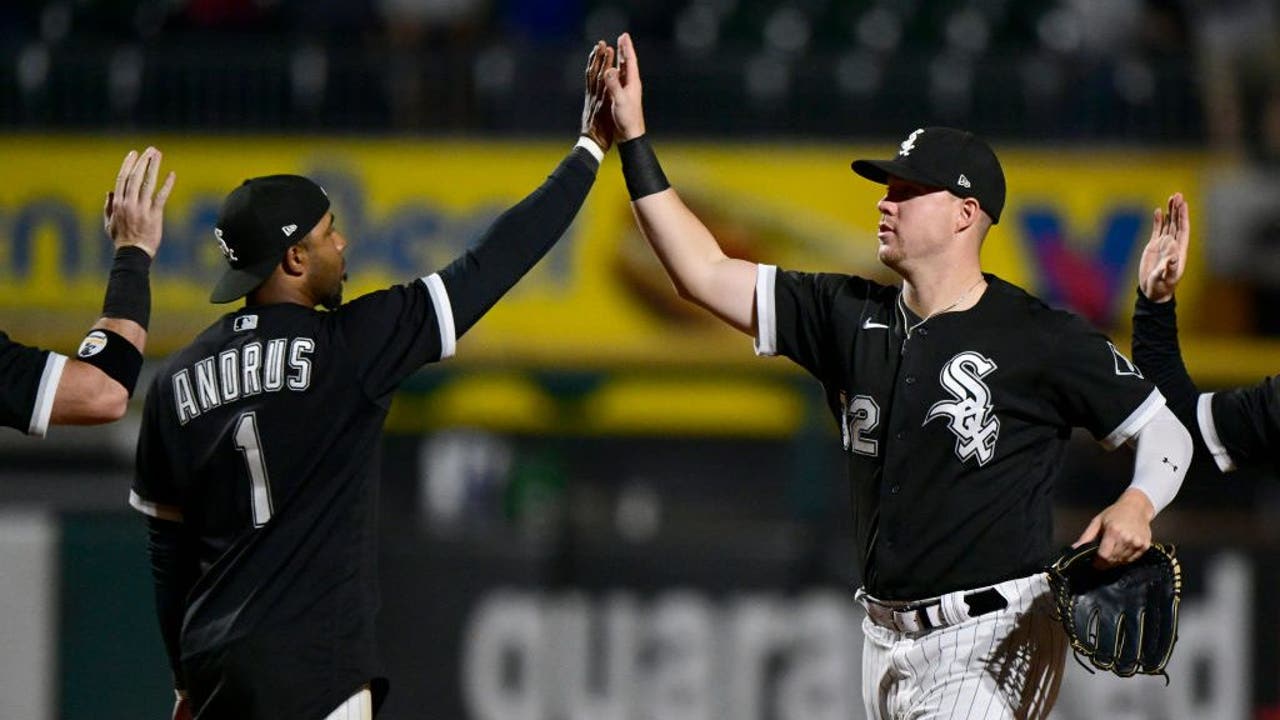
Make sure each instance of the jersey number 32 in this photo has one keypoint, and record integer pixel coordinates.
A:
(861, 416)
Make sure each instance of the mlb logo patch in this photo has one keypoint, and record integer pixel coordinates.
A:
(245, 322)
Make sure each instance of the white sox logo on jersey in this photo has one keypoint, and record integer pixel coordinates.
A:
(969, 416)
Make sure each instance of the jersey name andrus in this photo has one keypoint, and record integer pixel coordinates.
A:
(241, 372)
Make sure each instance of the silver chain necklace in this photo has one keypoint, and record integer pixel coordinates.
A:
(902, 307)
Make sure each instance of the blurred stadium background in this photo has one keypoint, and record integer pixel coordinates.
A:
(605, 506)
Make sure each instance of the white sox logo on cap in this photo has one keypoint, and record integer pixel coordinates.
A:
(224, 247)
(910, 143)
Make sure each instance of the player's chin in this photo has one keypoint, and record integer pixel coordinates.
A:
(333, 300)
(889, 256)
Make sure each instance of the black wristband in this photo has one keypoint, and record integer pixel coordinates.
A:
(113, 355)
(129, 287)
(640, 168)
(1146, 306)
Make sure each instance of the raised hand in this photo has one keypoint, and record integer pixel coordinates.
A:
(597, 119)
(134, 212)
(625, 91)
(1164, 259)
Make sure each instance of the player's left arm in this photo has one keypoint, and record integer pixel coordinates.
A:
(1162, 453)
(393, 332)
(1098, 388)
(523, 234)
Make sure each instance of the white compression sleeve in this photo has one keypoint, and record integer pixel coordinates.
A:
(1161, 458)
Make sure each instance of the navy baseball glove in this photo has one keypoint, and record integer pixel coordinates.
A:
(1123, 619)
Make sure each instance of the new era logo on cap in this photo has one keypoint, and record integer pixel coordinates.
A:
(289, 230)
(945, 158)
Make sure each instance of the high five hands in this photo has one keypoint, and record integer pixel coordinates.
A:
(1164, 259)
(597, 120)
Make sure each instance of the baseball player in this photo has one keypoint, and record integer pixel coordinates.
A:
(1237, 427)
(39, 387)
(955, 394)
(256, 461)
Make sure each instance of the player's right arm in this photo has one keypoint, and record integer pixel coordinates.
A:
(698, 268)
(48, 388)
(1239, 426)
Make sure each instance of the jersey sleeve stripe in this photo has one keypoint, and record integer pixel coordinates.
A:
(1136, 421)
(1209, 431)
(155, 510)
(766, 342)
(444, 314)
(49, 380)
(590, 146)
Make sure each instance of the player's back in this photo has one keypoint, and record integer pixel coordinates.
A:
(260, 437)
(262, 404)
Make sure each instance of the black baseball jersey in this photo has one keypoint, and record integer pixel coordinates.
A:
(954, 428)
(260, 438)
(28, 383)
(1238, 427)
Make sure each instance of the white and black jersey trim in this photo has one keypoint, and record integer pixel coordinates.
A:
(155, 510)
(444, 314)
(590, 146)
(766, 342)
(1136, 421)
(43, 408)
(1209, 431)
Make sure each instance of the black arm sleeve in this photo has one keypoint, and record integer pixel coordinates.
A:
(1157, 355)
(517, 240)
(174, 569)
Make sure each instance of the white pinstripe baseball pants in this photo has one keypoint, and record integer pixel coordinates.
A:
(1004, 665)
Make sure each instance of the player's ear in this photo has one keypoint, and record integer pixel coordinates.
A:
(967, 215)
(295, 259)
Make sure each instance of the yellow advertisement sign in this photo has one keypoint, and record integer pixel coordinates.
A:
(1071, 232)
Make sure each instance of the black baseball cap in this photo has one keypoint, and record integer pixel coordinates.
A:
(944, 157)
(259, 221)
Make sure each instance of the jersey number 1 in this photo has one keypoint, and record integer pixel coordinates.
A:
(250, 445)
